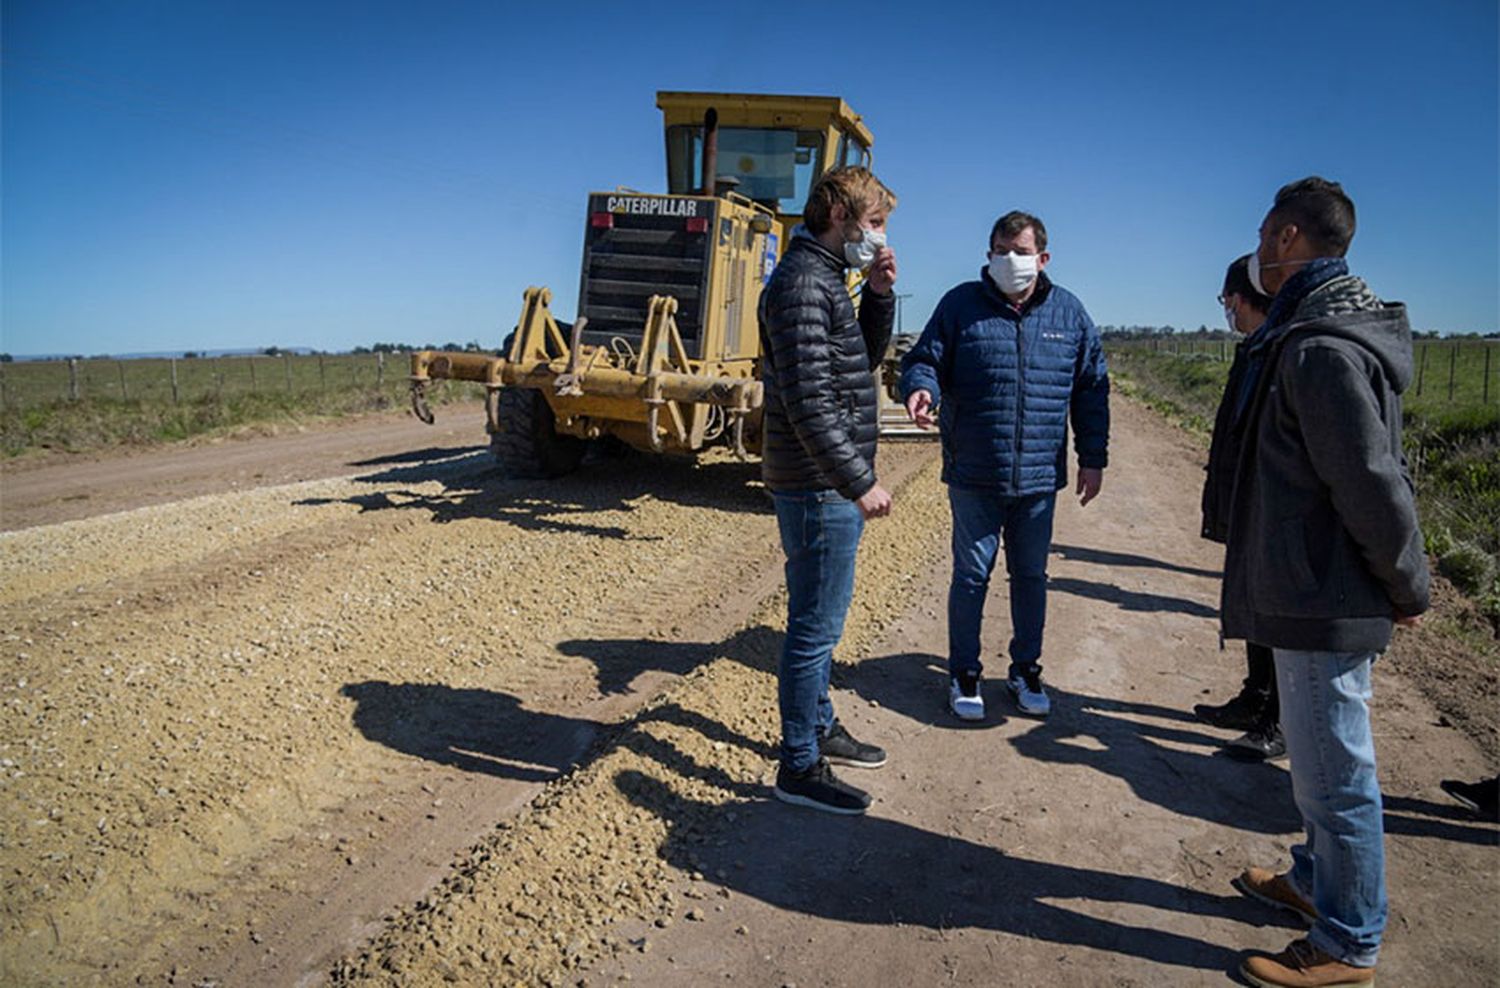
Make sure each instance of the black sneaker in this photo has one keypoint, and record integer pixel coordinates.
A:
(1482, 798)
(1243, 713)
(1259, 744)
(817, 788)
(839, 747)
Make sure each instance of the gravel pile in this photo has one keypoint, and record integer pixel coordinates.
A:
(583, 874)
(180, 686)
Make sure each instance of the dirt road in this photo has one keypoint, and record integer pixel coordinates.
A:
(451, 727)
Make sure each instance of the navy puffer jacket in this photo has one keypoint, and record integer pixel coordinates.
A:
(1006, 384)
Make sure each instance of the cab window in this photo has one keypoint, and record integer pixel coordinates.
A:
(772, 166)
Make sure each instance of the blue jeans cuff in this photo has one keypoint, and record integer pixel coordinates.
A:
(1328, 944)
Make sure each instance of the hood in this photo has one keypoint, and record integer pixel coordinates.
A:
(1345, 307)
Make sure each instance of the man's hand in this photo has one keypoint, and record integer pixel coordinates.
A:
(1090, 479)
(1408, 620)
(919, 407)
(875, 503)
(882, 275)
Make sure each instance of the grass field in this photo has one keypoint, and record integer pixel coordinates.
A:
(95, 403)
(1452, 444)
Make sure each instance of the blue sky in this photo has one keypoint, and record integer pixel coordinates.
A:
(195, 175)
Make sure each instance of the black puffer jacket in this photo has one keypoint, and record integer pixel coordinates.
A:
(819, 359)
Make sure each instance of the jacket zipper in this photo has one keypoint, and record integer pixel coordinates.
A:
(1015, 466)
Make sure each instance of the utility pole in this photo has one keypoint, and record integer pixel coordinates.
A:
(899, 299)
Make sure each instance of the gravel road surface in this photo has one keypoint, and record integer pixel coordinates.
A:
(380, 715)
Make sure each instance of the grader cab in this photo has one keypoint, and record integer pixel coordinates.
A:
(664, 354)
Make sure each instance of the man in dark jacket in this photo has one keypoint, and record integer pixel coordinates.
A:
(1006, 361)
(1324, 556)
(818, 460)
(1255, 709)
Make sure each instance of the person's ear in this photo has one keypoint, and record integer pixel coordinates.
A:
(1287, 237)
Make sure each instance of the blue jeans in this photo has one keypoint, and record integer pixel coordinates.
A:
(1325, 716)
(820, 533)
(979, 521)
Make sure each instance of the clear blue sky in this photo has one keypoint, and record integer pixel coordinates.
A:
(194, 175)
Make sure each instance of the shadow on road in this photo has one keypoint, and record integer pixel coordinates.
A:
(473, 487)
(426, 455)
(915, 685)
(618, 661)
(882, 872)
(1130, 600)
(1412, 817)
(489, 732)
(1147, 757)
(1104, 557)
(470, 729)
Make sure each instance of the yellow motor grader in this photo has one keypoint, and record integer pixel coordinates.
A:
(664, 354)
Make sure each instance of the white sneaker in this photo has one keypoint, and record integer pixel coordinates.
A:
(1031, 696)
(965, 697)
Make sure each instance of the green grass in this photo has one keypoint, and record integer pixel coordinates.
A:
(213, 396)
(1453, 448)
(34, 383)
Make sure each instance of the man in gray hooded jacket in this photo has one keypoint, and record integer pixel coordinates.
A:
(1324, 555)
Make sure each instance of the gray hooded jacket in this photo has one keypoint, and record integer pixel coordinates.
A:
(1324, 549)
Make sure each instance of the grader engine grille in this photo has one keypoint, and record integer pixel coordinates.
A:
(639, 246)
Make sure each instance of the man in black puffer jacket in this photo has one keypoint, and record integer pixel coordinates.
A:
(818, 459)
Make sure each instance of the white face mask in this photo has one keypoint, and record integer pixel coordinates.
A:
(861, 253)
(1256, 267)
(1255, 272)
(1013, 272)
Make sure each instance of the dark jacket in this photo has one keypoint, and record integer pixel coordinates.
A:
(822, 416)
(1324, 548)
(1005, 383)
(1224, 453)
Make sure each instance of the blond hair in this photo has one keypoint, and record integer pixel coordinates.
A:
(855, 188)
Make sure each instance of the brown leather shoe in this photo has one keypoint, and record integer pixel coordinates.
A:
(1275, 890)
(1301, 965)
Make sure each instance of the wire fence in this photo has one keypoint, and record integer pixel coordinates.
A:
(1456, 371)
(183, 380)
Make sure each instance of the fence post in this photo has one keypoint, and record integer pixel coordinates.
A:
(380, 370)
(218, 377)
(286, 363)
(174, 380)
(72, 379)
(253, 385)
(1452, 366)
(124, 391)
(1487, 348)
(322, 374)
(1421, 369)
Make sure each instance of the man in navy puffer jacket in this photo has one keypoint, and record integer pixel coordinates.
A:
(1005, 362)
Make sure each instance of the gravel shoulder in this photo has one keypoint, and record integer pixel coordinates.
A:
(411, 723)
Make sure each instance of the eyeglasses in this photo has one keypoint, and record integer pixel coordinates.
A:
(1224, 299)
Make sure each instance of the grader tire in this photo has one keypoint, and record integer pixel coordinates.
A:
(528, 444)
